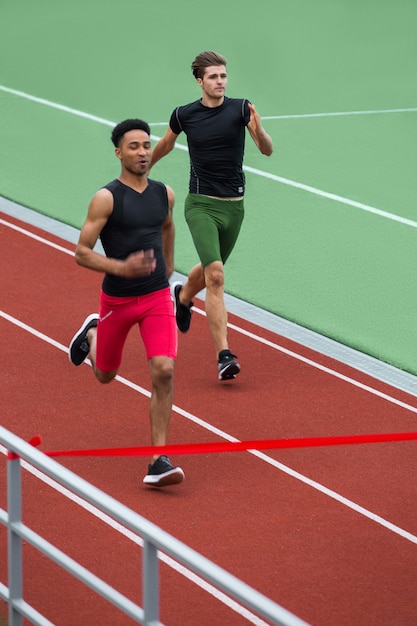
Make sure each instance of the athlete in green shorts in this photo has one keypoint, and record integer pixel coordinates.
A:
(215, 129)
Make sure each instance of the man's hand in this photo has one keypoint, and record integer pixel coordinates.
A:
(257, 132)
(140, 263)
(255, 121)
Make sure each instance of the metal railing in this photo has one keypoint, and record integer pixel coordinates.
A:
(154, 540)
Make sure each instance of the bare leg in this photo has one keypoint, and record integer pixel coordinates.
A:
(162, 376)
(194, 284)
(215, 306)
(103, 377)
(212, 277)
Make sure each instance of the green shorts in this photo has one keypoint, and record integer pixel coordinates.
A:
(214, 226)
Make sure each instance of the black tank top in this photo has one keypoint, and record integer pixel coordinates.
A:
(135, 224)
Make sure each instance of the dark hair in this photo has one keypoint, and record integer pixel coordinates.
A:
(125, 126)
(206, 59)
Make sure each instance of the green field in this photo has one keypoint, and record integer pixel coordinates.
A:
(329, 238)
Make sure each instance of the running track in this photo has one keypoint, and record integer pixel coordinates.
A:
(329, 533)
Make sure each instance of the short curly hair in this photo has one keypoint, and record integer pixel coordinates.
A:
(206, 59)
(125, 126)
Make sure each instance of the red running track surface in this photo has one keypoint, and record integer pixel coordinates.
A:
(329, 533)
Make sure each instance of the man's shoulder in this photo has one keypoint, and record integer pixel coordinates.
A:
(238, 107)
(235, 100)
(113, 184)
(156, 183)
(190, 107)
(238, 103)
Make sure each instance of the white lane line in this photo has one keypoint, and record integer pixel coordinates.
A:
(332, 196)
(36, 237)
(55, 105)
(106, 519)
(263, 457)
(274, 177)
(101, 120)
(339, 113)
(234, 327)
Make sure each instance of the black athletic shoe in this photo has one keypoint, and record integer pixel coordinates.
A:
(182, 311)
(227, 366)
(161, 473)
(79, 347)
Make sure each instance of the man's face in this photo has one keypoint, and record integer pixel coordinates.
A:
(214, 81)
(135, 151)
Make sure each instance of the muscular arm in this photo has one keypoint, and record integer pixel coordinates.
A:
(164, 146)
(99, 211)
(168, 234)
(257, 132)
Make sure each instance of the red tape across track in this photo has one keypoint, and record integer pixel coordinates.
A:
(231, 446)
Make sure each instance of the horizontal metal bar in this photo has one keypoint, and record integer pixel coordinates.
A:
(80, 572)
(26, 610)
(229, 584)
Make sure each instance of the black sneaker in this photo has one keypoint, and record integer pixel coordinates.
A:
(227, 366)
(79, 347)
(182, 311)
(162, 473)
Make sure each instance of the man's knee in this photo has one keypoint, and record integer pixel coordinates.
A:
(105, 377)
(214, 274)
(162, 370)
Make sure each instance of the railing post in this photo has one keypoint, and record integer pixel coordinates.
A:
(150, 584)
(14, 543)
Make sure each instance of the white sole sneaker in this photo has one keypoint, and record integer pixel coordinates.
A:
(76, 355)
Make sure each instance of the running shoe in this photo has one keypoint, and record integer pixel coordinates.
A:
(161, 473)
(79, 346)
(227, 366)
(182, 311)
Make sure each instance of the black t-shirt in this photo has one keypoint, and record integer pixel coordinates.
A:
(135, 224)
(216, 143)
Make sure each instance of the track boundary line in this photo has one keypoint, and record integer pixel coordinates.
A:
(24, 94)
(339, 113)
(106, 519)
(213, 429)
(362, 362)
(261, 173)
(237, 329)
(262, 456)
(23, 231)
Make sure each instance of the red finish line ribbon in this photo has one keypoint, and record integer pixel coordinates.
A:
(235, 446)
(35, 441)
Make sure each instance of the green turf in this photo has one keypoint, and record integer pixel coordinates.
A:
(323, 264)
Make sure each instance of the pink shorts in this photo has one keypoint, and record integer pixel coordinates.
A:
(154, 314)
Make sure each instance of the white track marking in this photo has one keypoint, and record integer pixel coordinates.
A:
(297, 116)
(193, 418)
(37, 237)
(279, 179)
(56, 105)
(101, 120)
(237, 329)
(103, 517)
(333, 196)
(222, 434)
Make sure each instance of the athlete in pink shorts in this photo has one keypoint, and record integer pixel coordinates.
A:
(132, 215)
